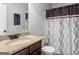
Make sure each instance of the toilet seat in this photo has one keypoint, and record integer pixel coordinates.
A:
(48, 50)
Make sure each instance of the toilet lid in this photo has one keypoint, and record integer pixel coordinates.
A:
(48, 49)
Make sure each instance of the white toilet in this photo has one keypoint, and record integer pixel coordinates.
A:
(48, 50)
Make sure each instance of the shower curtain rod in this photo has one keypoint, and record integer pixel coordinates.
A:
(70, 16)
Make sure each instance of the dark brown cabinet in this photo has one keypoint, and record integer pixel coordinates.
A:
(38, 52)
(24, 51)
(34, 49)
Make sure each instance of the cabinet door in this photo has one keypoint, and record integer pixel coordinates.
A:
(23, 52)
(3, 19)
(35, 47)
(38, 52)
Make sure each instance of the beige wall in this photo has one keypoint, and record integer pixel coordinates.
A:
(36, 17)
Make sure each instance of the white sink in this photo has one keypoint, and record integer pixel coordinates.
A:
(4, 43)
(18, 42)
(10, 45)
(7, 44)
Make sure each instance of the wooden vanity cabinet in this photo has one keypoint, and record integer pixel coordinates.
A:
(38, 52)
(24, 51)
(34, 49)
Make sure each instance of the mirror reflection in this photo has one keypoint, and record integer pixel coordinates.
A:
(14, 18)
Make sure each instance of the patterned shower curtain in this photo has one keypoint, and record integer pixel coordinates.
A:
(63, 34)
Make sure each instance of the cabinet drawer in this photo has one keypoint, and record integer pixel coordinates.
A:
(23, 52)
(38, 52)
(35, 47)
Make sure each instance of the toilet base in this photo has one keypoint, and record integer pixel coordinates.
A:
(47, 53)
(48, 50)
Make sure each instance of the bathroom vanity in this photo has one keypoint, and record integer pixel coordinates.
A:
(34, 49)
(25, 45)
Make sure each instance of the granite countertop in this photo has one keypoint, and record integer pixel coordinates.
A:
(10, 46)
